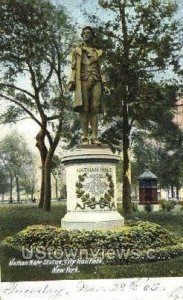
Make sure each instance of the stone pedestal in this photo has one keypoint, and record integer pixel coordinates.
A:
(91, 189)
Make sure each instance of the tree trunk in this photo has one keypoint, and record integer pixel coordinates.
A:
(32, 194)
(40, 144)
(126, 163)
(172, 192)
(177, 193)
(56, 186)
(47, 186)
(11, 189)
(47, 169)
(126, 127)
(2, 198)
(136, 193)
(41, 199)
(46, 159)
(18, 189)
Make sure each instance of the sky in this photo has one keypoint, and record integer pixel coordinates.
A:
(74, 8)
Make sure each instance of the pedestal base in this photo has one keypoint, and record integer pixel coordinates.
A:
(92, 220)
(91, 189)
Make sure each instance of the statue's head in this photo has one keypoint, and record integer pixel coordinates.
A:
(88, 33)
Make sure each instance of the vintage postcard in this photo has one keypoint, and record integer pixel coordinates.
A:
(91, 143)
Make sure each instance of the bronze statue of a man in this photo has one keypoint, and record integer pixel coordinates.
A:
(88, 83)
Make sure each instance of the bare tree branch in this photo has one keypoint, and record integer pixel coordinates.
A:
(47, 78)
(23, 107)
(37, 100)
(137, 28)
(111, 34)
(58, 69)
(17, 88)
(56, 138)
(53, 118)
(30, 114)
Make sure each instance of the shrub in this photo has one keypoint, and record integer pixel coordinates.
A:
(163, 202)
(167, 205)
(134, 206)
(139, 237)
(170, 205)
(148, 208)
(181, 204)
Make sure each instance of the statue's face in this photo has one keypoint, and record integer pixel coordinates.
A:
(87, 35)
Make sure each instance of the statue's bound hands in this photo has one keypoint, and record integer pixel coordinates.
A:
(71, 86)
(106, 90)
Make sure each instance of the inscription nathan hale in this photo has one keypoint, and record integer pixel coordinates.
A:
(95, 188)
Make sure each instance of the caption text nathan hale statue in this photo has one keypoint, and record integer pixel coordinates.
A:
(88, 83)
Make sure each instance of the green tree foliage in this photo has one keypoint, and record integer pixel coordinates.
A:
(141, 42)
(163, 152)
(35, 40)
(17, 161)
(4, 184)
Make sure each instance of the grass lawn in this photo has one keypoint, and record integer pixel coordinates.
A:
(16, 217)
(172, 221)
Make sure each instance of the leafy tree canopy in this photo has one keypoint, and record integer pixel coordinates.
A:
(34, 47)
